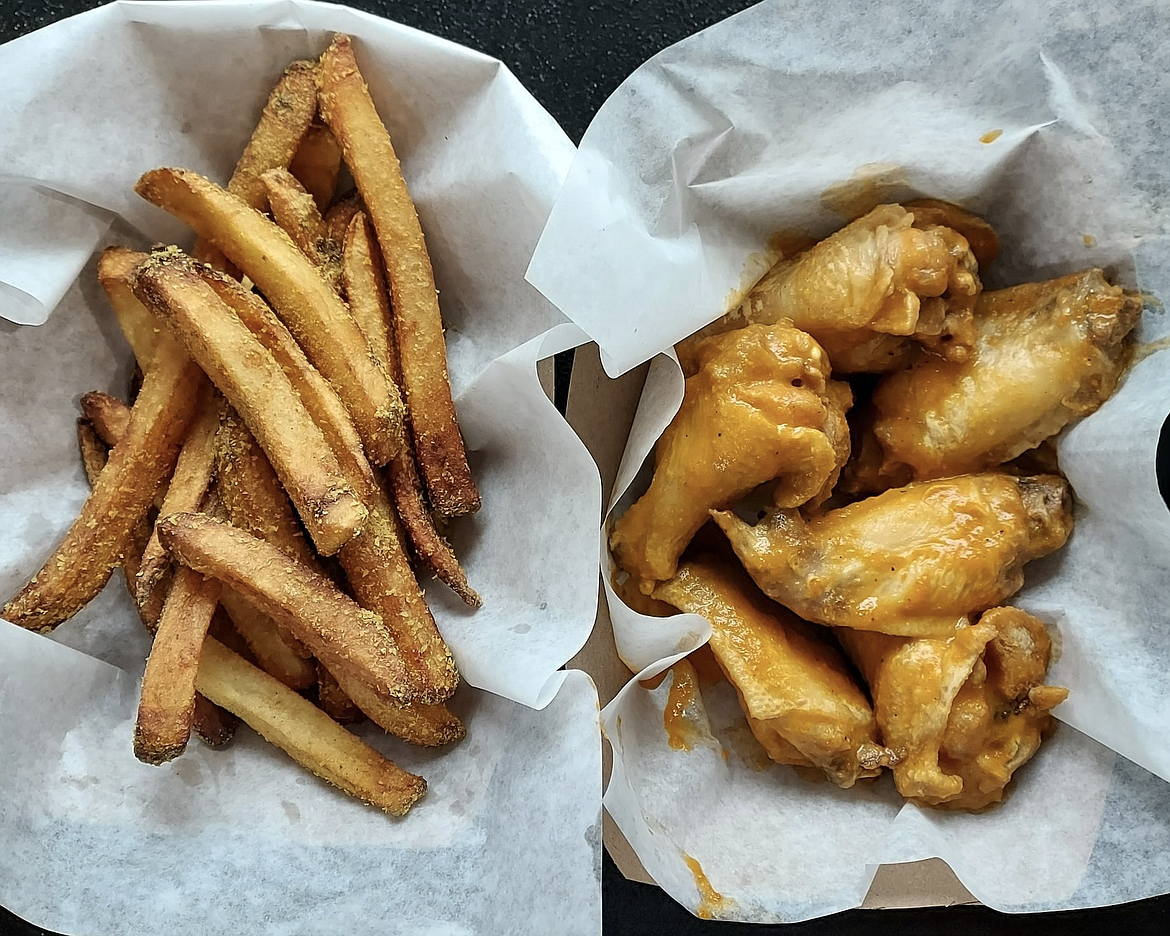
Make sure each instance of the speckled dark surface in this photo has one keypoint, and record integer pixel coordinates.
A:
(572, 56)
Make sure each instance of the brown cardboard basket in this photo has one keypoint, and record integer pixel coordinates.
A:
(601, 411)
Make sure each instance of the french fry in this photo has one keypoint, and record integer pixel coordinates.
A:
(108, 415)
(340, 214)
(138, 466)
(256, 386)
(283, 126)
(333, 700)
(317, 164)
(295, 211)
(167, 705)
(375, 562)
(344, 636)
(270, 648)
(365, 287)
(213, 725)
(304, 732)
(93, 450)
(307, 304)
(187, 489)
(415, 722)
(114, 269)
(345, 104)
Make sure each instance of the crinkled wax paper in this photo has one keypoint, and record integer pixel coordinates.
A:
(796, 116)
(244, 840)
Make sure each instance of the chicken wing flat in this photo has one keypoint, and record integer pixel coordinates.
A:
(914, 561)
(866, 281)
(961, 714)
(1044, 354)
(760, 409)
(800, 697)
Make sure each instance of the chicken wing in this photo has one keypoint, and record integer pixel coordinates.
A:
(760, 409)
(867, 282)
(913, 561)
(1044, 354)
(963, 713)
(796, 688)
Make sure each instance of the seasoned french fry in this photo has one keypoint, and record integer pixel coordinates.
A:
(305, 302)
(114, 269)
(375, 562)
(213, 725)
(283, 126)
(346, 106)
(269, 646)
(93, 450)
(340, 214)
(167, 706)
(415, 722)
(108, 415)
(256, 386)
(345, 637)
(187, 488)
(295, 211)
(304, 732)
(333, 700)
(317, 164)
(137, 467)
(365, 287)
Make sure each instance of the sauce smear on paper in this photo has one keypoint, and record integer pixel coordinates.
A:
(679, 716)
(710, 900)
(991, 136)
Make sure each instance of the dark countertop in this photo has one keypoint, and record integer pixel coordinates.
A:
(571, 56)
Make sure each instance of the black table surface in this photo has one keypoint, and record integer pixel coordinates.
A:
(571, 56)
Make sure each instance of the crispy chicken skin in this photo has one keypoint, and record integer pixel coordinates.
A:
(913, 561)
(963, 713)
(800, 696)
(761, 408)
(868, 282)
(1044, 354)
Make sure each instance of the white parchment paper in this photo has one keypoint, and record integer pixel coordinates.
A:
(791, 117)
(244, 840)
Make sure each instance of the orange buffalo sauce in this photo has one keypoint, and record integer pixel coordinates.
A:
(710, 900)
(678, 718)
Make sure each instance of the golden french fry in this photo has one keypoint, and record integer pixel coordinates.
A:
(93, 450)
(187, 488)
(333, 700)
(114, 269)
(274, 143)
(256, 386)
(344, 636)
(317, 164)
(304, 732)
(365, 287)
(137, 467)
(108, 415)
(167, 706)
(271, 649)
(346, 106)
(415, 722)
(339, 215)
(213, 725)
(295, 211)
(375, 562)
(307, 304)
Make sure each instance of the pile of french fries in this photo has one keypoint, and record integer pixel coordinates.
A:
(292, 438)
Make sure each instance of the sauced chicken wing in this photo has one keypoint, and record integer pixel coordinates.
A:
(963, 713)
(760, 409)
(796, 688)
(866, 283)
(1044, 354)
(913, 561)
